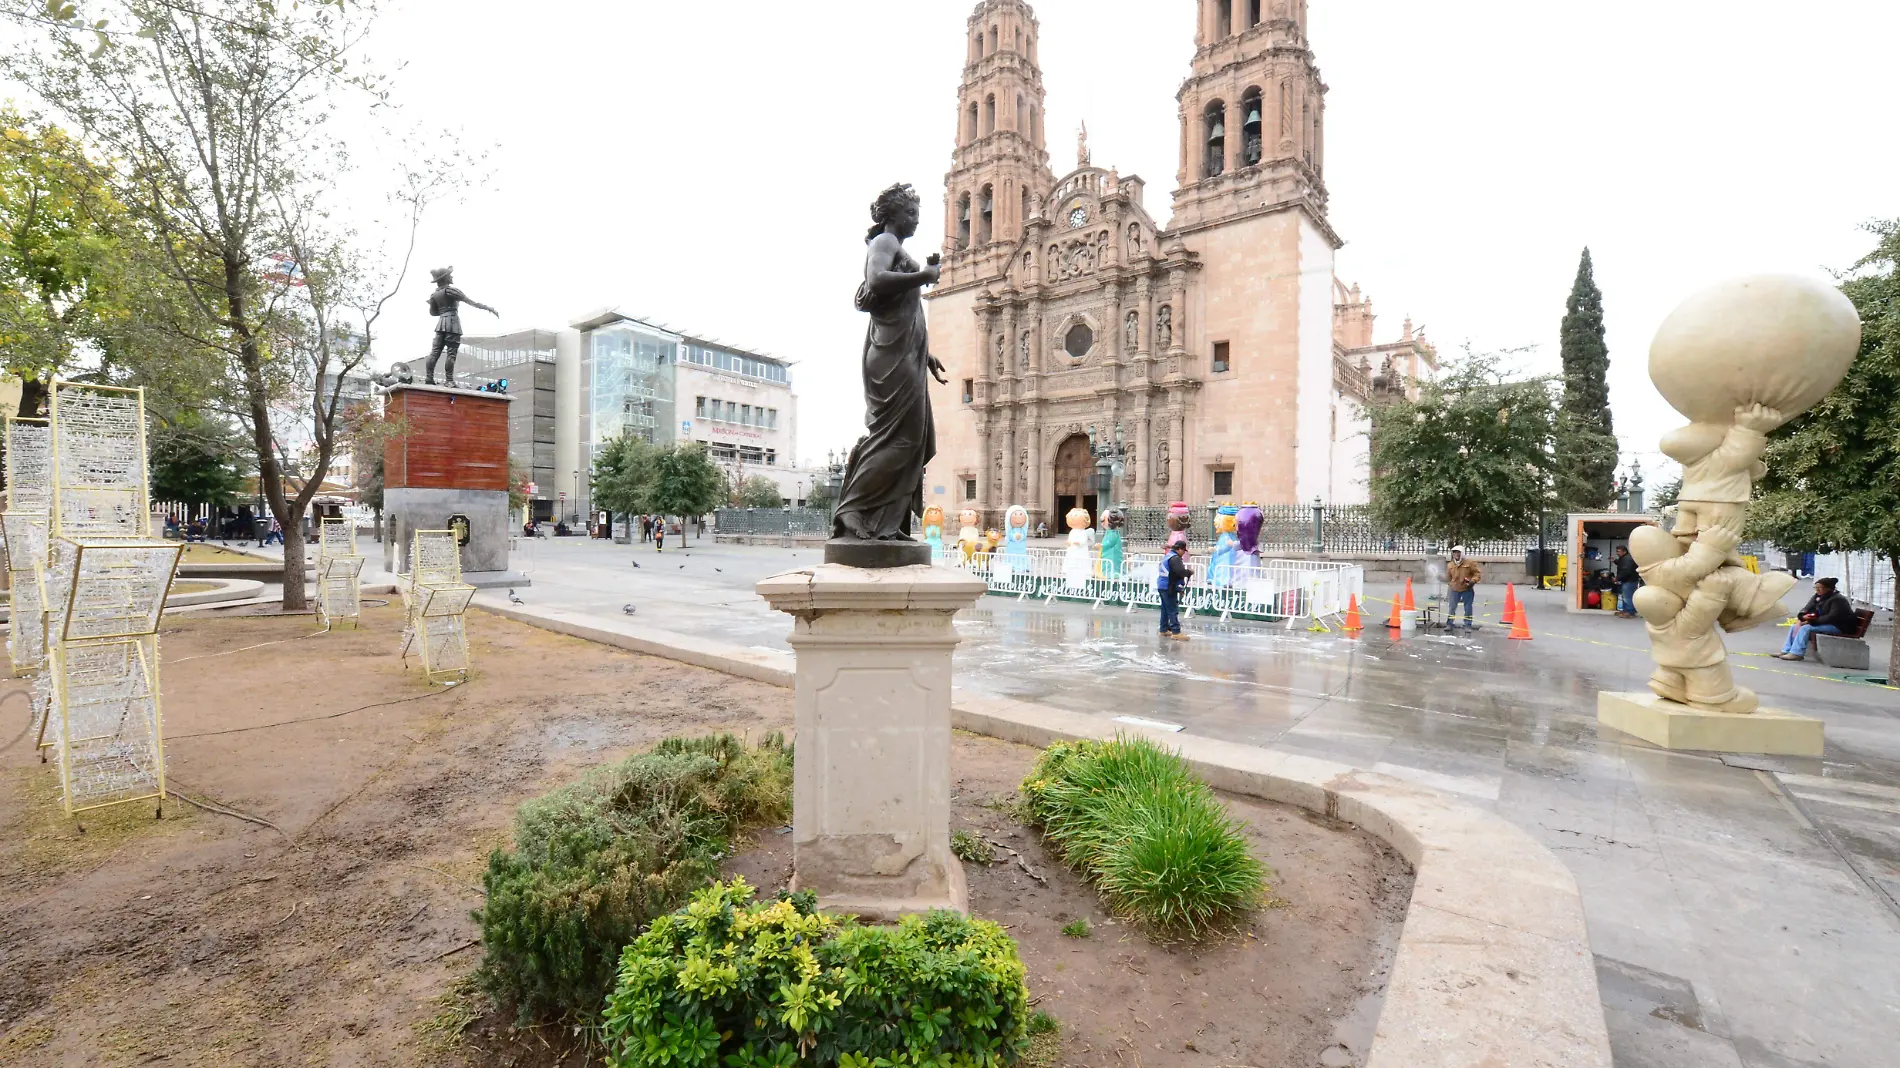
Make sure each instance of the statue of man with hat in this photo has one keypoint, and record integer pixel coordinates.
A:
(444, 304)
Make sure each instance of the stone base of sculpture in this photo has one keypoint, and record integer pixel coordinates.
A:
(1670, 725)
(876, 555)
(871, 776)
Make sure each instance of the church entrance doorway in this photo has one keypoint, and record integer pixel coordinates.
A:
(1074, 481)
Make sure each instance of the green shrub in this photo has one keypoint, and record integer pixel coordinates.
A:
(597, 860)
(972, 847)
(1154, 840)
(1077, 928)
(727, 981)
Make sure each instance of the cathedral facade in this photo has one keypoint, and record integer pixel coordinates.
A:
(1220, 352)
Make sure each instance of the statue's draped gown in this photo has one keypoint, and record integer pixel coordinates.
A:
(884, 481)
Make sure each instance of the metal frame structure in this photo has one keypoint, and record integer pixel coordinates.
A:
(435, 599)
(23, 526)
(339, 572)
(105, 582)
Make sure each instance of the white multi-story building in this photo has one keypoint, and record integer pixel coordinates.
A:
(615, 373)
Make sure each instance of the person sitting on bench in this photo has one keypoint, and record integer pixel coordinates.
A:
(1827, 612)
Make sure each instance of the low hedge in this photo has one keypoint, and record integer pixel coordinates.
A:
(726, 981)
(1154, 839)
(596, 861)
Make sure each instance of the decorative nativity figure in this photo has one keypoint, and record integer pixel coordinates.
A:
(884, 478)
(1075, 560)
(445, 305)
(1112, 555)
(969, 536)
(1016, 524)
(1220, 568)
(933, 532)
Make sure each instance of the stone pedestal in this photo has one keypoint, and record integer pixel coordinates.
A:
(871, 793)
(1675, 726)
(450, 462)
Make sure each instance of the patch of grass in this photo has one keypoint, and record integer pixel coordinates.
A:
(1077, 928)
(43, 840)
(596, 861)
(1155, 841)
(972, 847)
(184, 586)
(446, 1031)
(1045, 1041)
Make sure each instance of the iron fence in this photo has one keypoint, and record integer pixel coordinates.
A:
(1231, 586)
(768, 521)
(1342, 529)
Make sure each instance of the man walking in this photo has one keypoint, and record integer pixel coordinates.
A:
(1172, 581)
(1463, 576)
(1626, 583)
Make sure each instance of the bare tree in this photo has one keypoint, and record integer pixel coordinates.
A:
(221, 122)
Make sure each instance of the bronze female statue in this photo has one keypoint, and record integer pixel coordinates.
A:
(884, 479)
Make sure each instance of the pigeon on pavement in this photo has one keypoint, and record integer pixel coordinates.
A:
(636, 563)
(627, 608)
(512, 599)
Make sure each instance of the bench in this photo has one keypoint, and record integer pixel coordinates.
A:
(1847, 651)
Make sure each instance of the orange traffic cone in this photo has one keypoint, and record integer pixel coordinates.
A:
(1406, 601)
(1353, 624)
(1521, 624)
(1397, 605)
(1511, 605)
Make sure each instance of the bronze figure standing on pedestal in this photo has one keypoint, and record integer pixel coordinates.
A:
(444, 304)
(884, 479)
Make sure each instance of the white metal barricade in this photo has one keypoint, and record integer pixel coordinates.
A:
(1287, 590)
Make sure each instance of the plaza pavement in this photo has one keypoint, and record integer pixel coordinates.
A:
(1742, 910)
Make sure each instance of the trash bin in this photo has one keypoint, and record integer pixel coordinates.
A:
(1548, 560)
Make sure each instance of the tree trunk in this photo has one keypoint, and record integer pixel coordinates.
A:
(32, 398)
(293, 567)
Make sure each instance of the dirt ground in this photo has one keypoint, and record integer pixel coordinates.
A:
(1301, 976)
(317, 909)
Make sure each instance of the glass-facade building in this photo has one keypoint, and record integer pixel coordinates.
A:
(627, 380)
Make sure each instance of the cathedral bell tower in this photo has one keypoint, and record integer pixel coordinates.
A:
(1252, 115)
(1000, 170)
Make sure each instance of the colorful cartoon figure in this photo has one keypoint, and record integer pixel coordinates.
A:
(1112, 546)
(992, 540)
(1016, 526)
(1220, 568)
(933, 532)
(969, 538)
(1178, 523)
(1075, 561)
(1248, 525)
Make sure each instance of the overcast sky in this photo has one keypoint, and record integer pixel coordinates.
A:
(709, 165)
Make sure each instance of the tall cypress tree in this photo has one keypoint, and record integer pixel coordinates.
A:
(1586, 437)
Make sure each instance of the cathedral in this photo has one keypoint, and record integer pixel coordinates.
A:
(1217, 358)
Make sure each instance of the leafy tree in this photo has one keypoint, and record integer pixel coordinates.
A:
(1585, 434)
(196, 460)
(1666, 494)
(760, 492)
(820, 495)
(517, 487)
(685, 482)
(1470, 459)
(623, 473)
(1833, 480)
(63, 275)
(220, 122)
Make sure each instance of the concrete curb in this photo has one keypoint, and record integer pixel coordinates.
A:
(228, 590)
(1494, 965)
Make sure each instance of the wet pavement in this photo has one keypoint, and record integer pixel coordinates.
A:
(1743, 910)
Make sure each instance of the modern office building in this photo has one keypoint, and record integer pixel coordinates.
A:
(609, 373)
(526, 359)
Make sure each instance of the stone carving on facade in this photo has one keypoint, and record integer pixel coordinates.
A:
(1002, 347)
(1134, 240)
(1161, 462)
(1164, 327)
(1022, 468)
(1023, 347)
(997, 481)
(1131, 331)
